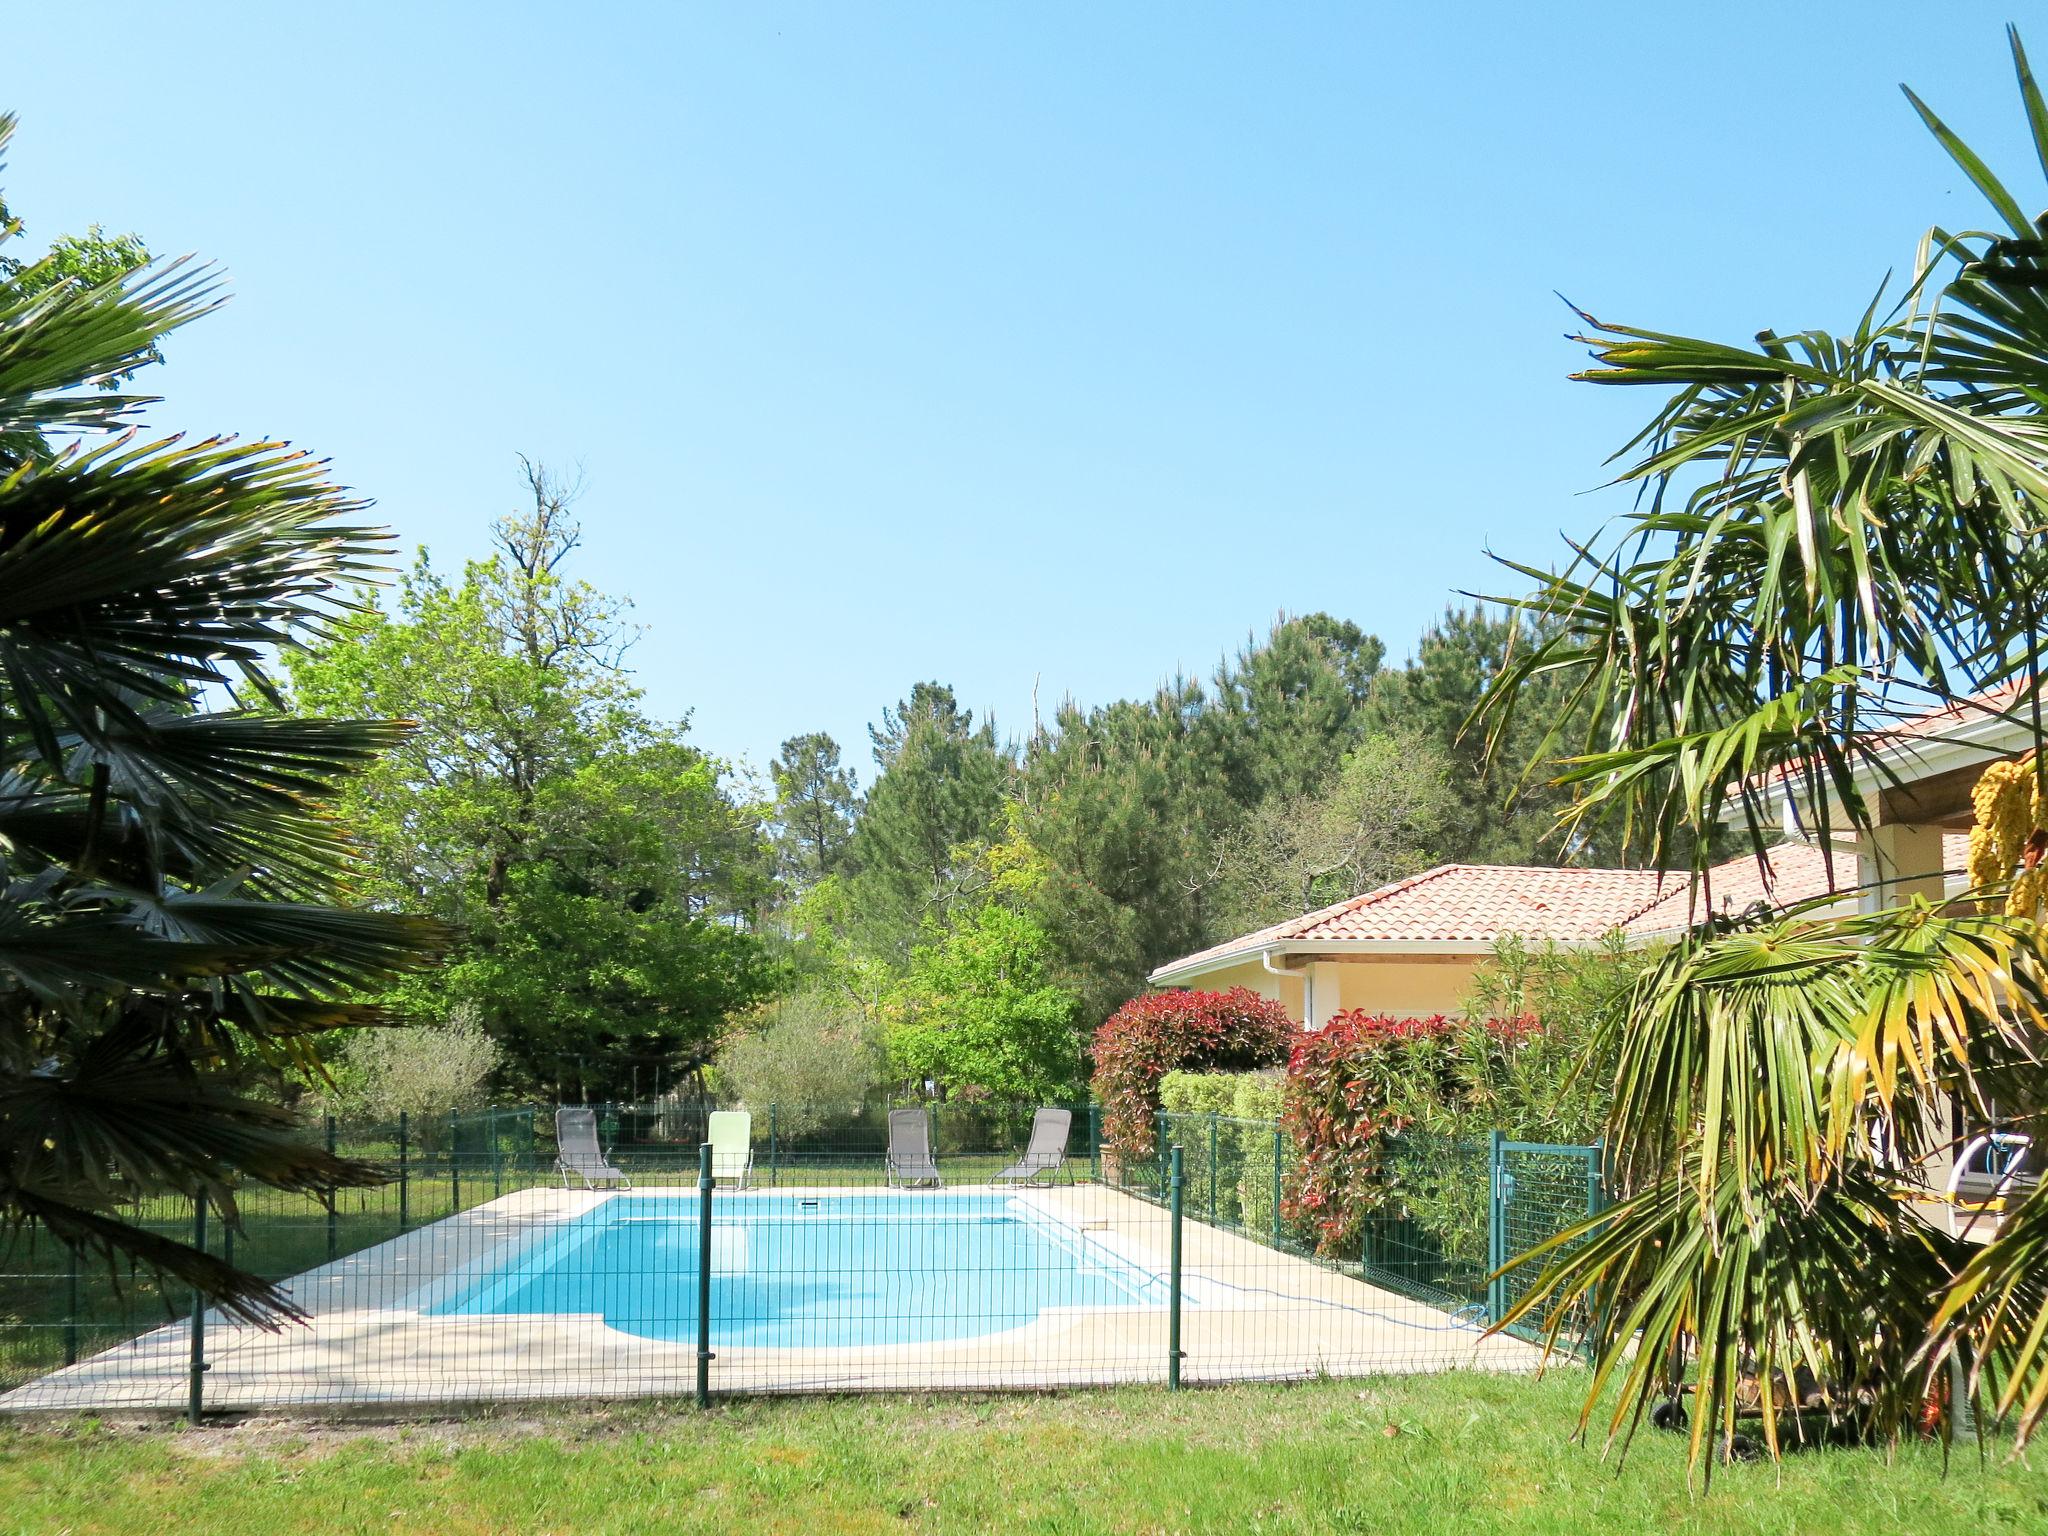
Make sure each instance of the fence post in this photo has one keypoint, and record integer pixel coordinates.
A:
(195, 1388)
(704, 1275)
(1496, 1228)
(1095, 1143)
(333, 1195)
(1160, 1154)
(71, 1309)
(1276, 1186)
(454, 1172)
(497, 1159)
(1212, 1167)
(774, 1150)
(1173, 1277)
(404, 1173)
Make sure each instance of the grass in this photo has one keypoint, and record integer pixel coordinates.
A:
(1461, 1453)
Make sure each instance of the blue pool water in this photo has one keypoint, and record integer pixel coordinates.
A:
(812, 1272)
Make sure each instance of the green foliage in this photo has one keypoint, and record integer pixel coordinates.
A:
(175, 895)
(1199, 1093)
(94, 259)
(424, 1072)
(604, 875)
(1388, 810)
(982, 1015)
(939, 793)
(1288, 710)
(1554, 1082)
(1247, 1106)
(1504, 809)
(1118, 803)
(813, 1055)
(815, 805)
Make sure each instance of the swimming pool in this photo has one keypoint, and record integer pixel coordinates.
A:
(813, 1271)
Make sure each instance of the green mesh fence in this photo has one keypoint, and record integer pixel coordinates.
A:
(1539, 1189)
(1235, 1175)
(1426, 1228)
(826, 1256)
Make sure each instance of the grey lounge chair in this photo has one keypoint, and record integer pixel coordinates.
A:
(1046, 1152)
(577, 1153)
(910, 1160)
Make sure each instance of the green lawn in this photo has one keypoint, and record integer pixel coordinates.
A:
(1437, 1456)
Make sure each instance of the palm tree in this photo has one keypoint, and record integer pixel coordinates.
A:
(173, 926)
(1833, 531)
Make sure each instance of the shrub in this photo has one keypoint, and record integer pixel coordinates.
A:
(1150, 1036)
(1553, 1080)
(1257, 1105)
(1535, 1063)
(1350, 1085)
(426, 1072)
(1202, 1094)
(812, 1055)
(1199, 1093)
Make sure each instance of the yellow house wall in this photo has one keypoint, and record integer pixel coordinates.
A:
(1401, 987)
(1397, 986)
(1255, 976)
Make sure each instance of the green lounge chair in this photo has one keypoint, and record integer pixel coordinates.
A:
(731, 1134)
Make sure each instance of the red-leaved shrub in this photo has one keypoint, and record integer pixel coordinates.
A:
(1233, 1031)
(1345, 1085)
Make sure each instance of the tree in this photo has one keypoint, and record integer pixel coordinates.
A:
(939, 792)
(982, 1011)
(1119, 803)
(1286, 711)
(176, 918)
(605, 878)
(816, 803)
(79, 263)
(1834, 527)
(1384, 816)
(426, 1072)
(812, 1056)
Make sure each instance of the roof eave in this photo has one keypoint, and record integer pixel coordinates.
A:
(1392, 949)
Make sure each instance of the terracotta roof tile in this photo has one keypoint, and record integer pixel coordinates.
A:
(1479, 903)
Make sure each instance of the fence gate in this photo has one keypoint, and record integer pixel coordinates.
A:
(1538, 1190)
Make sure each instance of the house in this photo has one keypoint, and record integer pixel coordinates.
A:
(1410, 947)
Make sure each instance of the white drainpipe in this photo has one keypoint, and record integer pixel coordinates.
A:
(1308, 987)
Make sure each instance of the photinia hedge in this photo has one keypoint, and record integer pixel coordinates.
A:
(1349, 1086)
(1233, 1031)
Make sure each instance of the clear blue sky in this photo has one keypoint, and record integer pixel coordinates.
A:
(1006, 344)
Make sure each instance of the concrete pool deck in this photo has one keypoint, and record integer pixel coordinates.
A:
(1249, 1313)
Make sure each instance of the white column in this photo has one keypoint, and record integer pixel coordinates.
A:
(1897, 860)
(1321, 999)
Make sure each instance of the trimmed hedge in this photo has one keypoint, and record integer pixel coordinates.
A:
(1246, 1105)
